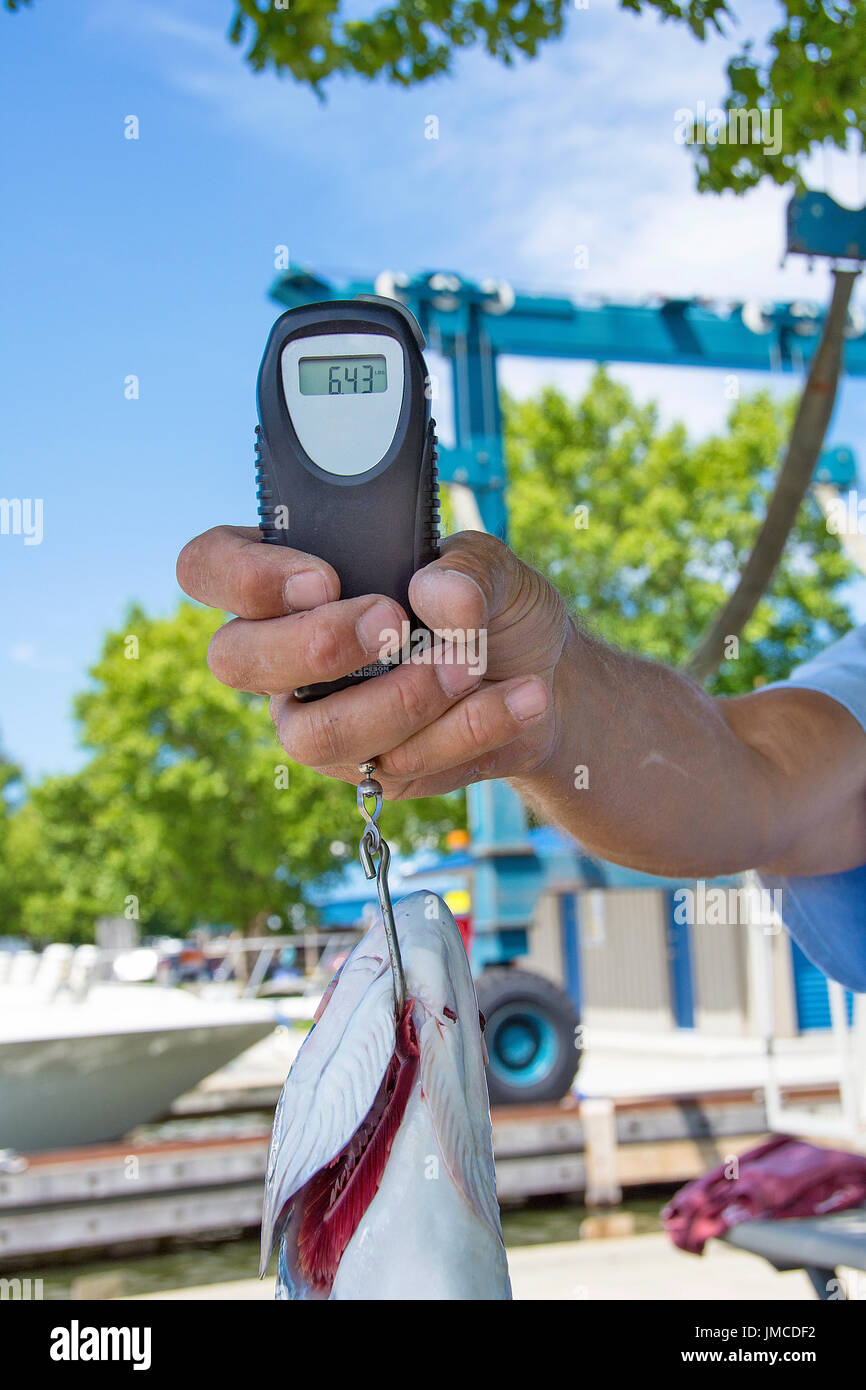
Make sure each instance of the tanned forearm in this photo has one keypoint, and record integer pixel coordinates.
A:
(648, 770)
(639, 763)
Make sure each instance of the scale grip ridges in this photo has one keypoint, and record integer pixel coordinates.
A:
(264, 491)
(429, 538)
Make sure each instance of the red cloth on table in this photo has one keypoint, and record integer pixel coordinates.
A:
(784, 1177)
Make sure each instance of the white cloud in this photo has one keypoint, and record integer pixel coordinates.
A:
(33, 657)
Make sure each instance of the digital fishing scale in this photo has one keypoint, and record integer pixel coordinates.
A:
(346, 450)
(346, 470)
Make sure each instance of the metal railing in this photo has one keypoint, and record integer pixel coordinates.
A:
(314, 946)
(63, 970)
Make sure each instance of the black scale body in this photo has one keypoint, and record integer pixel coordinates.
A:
(375, 528)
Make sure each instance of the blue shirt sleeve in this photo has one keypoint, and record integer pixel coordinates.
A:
(839, 671)
(826, 914)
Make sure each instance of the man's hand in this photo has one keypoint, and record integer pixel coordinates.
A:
(634, 759)
(429, 727)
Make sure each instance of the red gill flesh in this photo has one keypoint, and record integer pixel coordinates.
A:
(335, 1198)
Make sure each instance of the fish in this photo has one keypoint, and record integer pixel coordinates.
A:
(380, 1180)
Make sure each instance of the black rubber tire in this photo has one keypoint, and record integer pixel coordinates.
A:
(499, 987)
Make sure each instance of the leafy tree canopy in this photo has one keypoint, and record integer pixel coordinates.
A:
(188, 811)
(413, 40)
(667, 526)
(811, 72)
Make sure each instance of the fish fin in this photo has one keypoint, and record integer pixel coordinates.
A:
(329, 1090)
(454, 1087)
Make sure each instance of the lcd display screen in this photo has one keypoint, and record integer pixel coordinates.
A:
(342, 376)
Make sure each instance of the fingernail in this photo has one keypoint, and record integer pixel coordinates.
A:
(527, 700)
(450, 585)
(456, 678)
(375, 627)
(306, 589)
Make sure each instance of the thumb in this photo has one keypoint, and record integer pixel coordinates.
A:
(475, 579)
(478, 583)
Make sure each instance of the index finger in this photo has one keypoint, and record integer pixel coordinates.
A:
(232, 568)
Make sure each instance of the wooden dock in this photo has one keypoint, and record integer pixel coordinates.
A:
(114, 1195)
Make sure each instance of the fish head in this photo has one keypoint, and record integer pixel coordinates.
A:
(348, 1091)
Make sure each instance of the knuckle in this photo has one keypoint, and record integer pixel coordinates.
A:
(493, 550)
(413, 702)
(395, 787)
(481, 553)
(478, 726)
(318, 740)
(479, 543)
(247, 584)
(320, 638)
(408, 760)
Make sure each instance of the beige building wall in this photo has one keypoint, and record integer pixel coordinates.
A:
(624, 963)
(544, 956)
(784, 999)
(625, 968)
(719, 973)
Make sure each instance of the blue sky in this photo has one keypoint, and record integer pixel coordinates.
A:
(153, 257)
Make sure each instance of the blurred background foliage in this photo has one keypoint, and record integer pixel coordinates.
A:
(670, 523)
(182, 804)
(187, 805)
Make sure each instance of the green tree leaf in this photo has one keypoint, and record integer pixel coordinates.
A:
(669, 524)
(188, 811)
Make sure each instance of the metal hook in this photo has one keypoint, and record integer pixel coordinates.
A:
(369, 788)
(373, 844)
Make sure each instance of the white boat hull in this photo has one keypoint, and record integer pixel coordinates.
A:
(73, 1075)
